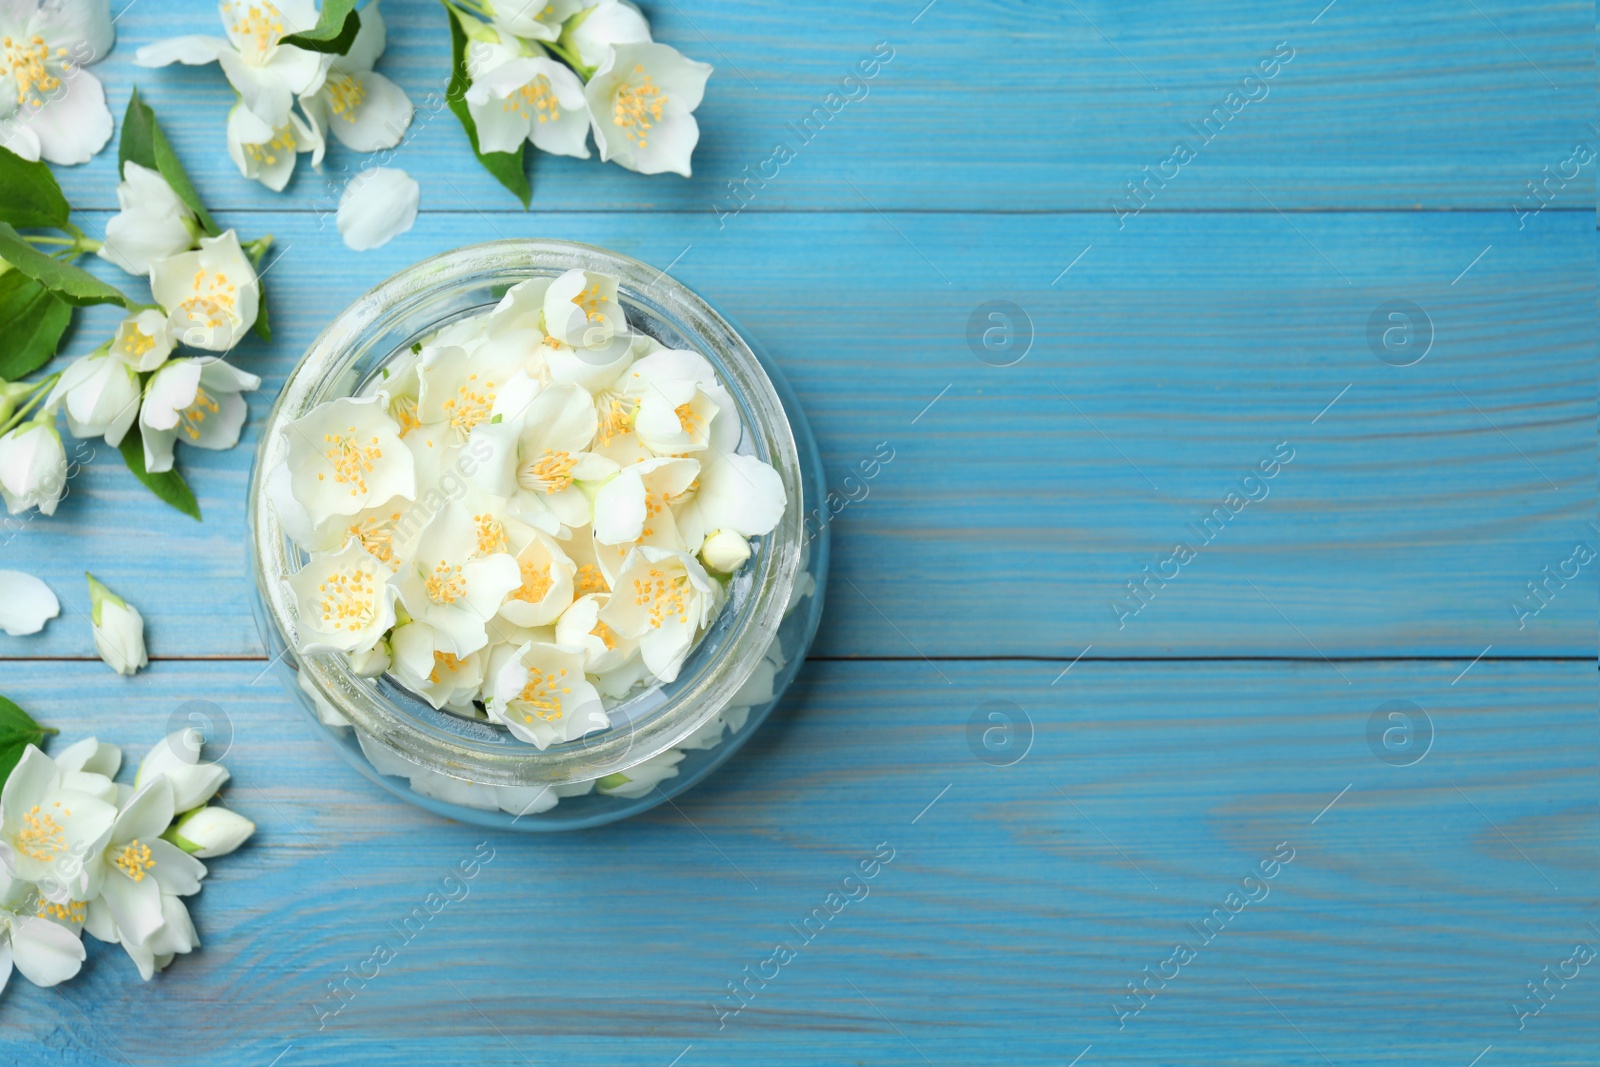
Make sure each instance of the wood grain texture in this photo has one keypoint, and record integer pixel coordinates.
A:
(1013, 913)
(1166, 365)
(1017, 106)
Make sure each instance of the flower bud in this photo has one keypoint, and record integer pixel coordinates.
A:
(118, 629)
(33, 466)
(725, 551)
(210, 831)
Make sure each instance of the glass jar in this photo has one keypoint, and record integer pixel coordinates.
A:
(473, 770)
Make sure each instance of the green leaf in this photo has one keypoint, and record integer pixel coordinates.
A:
(169, 485)
(29, 195)
(334, 32)
(17, 732)
(144, 143)
(507, 167)
(32, 320)
(263, 328)
(73, 284)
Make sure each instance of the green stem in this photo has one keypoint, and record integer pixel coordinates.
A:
(40, 390)
(76, 245)
(567, 56)
(257, 249)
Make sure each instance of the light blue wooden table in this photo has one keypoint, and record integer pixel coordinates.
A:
(1175, 747)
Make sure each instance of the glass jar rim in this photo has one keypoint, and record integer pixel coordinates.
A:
(753, 621)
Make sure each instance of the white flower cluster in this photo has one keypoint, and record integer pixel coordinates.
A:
(338, 94)
(637, 96)
(83, 852)
(536, 509)
(207, 297)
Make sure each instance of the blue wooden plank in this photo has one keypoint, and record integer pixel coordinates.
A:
(1020, 901)
(1168, 362)
(1008, 105)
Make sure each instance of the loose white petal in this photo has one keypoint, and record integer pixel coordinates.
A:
(377, 206)
(26, 603)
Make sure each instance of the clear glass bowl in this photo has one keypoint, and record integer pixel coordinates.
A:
(475, 771)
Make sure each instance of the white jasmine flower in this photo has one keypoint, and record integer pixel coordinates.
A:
(675, 417)
(637, 505)
(581, 311)
(542, 696)
(265, 153)
(641, 100)
(211, 831)
(33, 466)
(345, 456)
(377, 205)
(449, 586)
(101, 395)
(50, 107)
(140, 868)
(211, 295)
(639, 779)
(46, 952)
(174, 936)
(197, 398)
(383, 531)
(346, 601)
(118, 629)
(663, 598)
(547, 575)
(437, 674)
(539, 455)
(266, 74)
(143, 340)
(89, 766)
(457, 388)
(152, 224)
(26, 603)
(607, 23)
(177, 758)
(51, 835)
(725, 551)
(736, 492)
(364, 111)
(580, 627)
(517, 97)
(538, 20)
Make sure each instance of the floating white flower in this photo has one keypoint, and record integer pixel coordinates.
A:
(736, 492)
(582, 312)
(437, 674)
(118, 629)
(345, 456)
(26, 603)
(547, 573)
(51, 835)
(378, 205)
(639, 779)
(50, 107)
(153, 223)
(363, 110)
(211, 831)
(140, 867)
(100, 393)
(608, 23)
(46, 953)
(458, 387)
(33, 466)
(580, 627)
(346, 601)
(450, 586)
(663, 598)
(517, 97)
(641, 100)
(143, 340)
(637, 505)
(541, 694)
(177, 758)
(539, 455)
(265, 153)
(211, 296)
(196, 400)
(267, 74)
